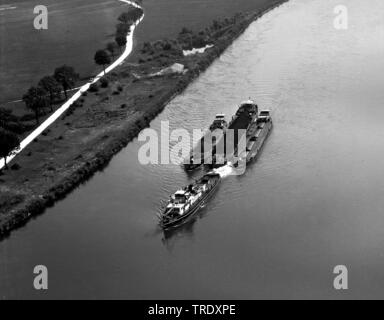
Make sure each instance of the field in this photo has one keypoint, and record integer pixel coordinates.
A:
(76, 29)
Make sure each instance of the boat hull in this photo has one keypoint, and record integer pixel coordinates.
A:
(192, 211)
(260, 141)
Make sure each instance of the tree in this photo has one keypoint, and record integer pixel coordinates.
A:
(216, 25)
(102, 58)
(125, 18)
(111, 48)
(121, 40)
(185, 30)
(66, 76)
(131, 16)
(50, 85)
(123, 29)
(6, 117)
(135, 13)
(36, 100)
(9, 143)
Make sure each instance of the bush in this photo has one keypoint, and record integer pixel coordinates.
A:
(94, 87)
(147, 47)
(104, 82)
(15, 166)
(122, 29)
(27, 117)
(6, 116)
(185, 31)
(18, 127)
(167, 46)
(199, 42)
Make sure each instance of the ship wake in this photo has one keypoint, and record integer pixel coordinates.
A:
(225, 171)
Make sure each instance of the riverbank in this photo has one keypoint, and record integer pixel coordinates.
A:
(105, 120)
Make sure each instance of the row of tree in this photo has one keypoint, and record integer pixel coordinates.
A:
(49, 89)
(123, 28)
(37, 98)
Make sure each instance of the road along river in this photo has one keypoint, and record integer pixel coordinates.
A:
(312, 201)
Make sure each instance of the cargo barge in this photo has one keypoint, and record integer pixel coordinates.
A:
(257, 135)
(205, 153)
(197, 154)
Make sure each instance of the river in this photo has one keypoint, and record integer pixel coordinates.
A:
(313, 200)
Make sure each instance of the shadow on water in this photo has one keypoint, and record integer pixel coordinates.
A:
(186, 228)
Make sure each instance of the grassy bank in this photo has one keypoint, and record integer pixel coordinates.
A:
(107, 118)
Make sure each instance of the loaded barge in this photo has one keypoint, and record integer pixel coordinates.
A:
(246, 120)
(197, 154)
(258, 134)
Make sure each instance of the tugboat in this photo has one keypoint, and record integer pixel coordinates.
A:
(187, 201)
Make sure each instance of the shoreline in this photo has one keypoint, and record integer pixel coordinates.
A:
(97, 157)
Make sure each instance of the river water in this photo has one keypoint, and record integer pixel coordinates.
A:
(312, 201)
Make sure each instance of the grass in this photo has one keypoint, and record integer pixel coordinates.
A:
(28, 54)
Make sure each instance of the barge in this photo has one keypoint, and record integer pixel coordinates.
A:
(197, 154)
(246, 114)
(257, 135)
